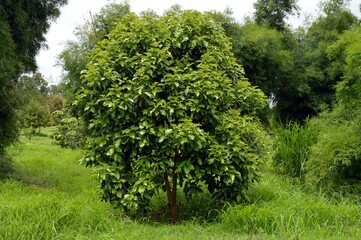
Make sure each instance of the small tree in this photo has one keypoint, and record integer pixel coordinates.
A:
(35, 115)
(166, 105)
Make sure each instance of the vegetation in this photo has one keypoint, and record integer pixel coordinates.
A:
(168, 108)
(165, 110)
(56, 198)
(292, 147)
(22, 26)
(274, 13)
(69, 132)
(336, 157)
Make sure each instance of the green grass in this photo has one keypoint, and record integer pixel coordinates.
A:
(293, 141)
(51, 196)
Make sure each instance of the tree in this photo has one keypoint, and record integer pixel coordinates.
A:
(166, 105)
(318, 71)
(267, 63)
(35, 115)
(34, 102)
(22, 26)
(267, 55)
(274, 12)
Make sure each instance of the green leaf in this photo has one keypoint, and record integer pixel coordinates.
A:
(119, 194)
(141, 189)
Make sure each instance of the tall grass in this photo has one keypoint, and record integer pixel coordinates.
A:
(290, 213)
(292, 147)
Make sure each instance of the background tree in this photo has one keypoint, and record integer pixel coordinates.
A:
(22, 25)
(318, 74)
(166, 105)
(267, 63)
(274, 12)
(267, 55)
(36, 102)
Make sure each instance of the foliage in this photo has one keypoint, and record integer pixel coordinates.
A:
(314, 90)
(6, 167)
(165, 104)
(69, 131)
(335, 160)
(274, 12)
(27, 22)
(55, 103)
(22, 26)
(336, 157)
(292, 143)
(349, 90)
(35, 115)
(267, 63)
(74, 56)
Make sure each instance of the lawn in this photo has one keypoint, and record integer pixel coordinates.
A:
(51, 196)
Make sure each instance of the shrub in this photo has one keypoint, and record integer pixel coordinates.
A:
(69, 132)
(335, 159)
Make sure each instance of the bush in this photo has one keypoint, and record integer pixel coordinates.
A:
(335, 159)
(69, 132)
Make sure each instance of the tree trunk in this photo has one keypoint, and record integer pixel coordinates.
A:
(172, 194)
(172, 190)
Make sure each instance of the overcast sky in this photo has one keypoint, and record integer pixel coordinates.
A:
(76, 11)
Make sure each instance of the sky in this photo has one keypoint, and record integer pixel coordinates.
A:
(77, 11)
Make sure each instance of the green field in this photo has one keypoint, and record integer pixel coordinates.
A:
(51, 196)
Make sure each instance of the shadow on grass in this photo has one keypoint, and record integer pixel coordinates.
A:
(200, 209)
(6, 167)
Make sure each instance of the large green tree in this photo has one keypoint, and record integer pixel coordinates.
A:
(166, 105)
(22, 26)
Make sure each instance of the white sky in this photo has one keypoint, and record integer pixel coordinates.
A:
(76, 11)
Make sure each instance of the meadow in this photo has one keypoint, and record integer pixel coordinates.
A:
(51, 196)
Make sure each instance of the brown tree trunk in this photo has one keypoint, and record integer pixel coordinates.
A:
(172, 190)
(172, 194)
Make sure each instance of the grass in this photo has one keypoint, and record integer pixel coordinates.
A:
(51, 196)
(293, 142)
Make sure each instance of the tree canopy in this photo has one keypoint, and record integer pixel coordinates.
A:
(274, 12)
